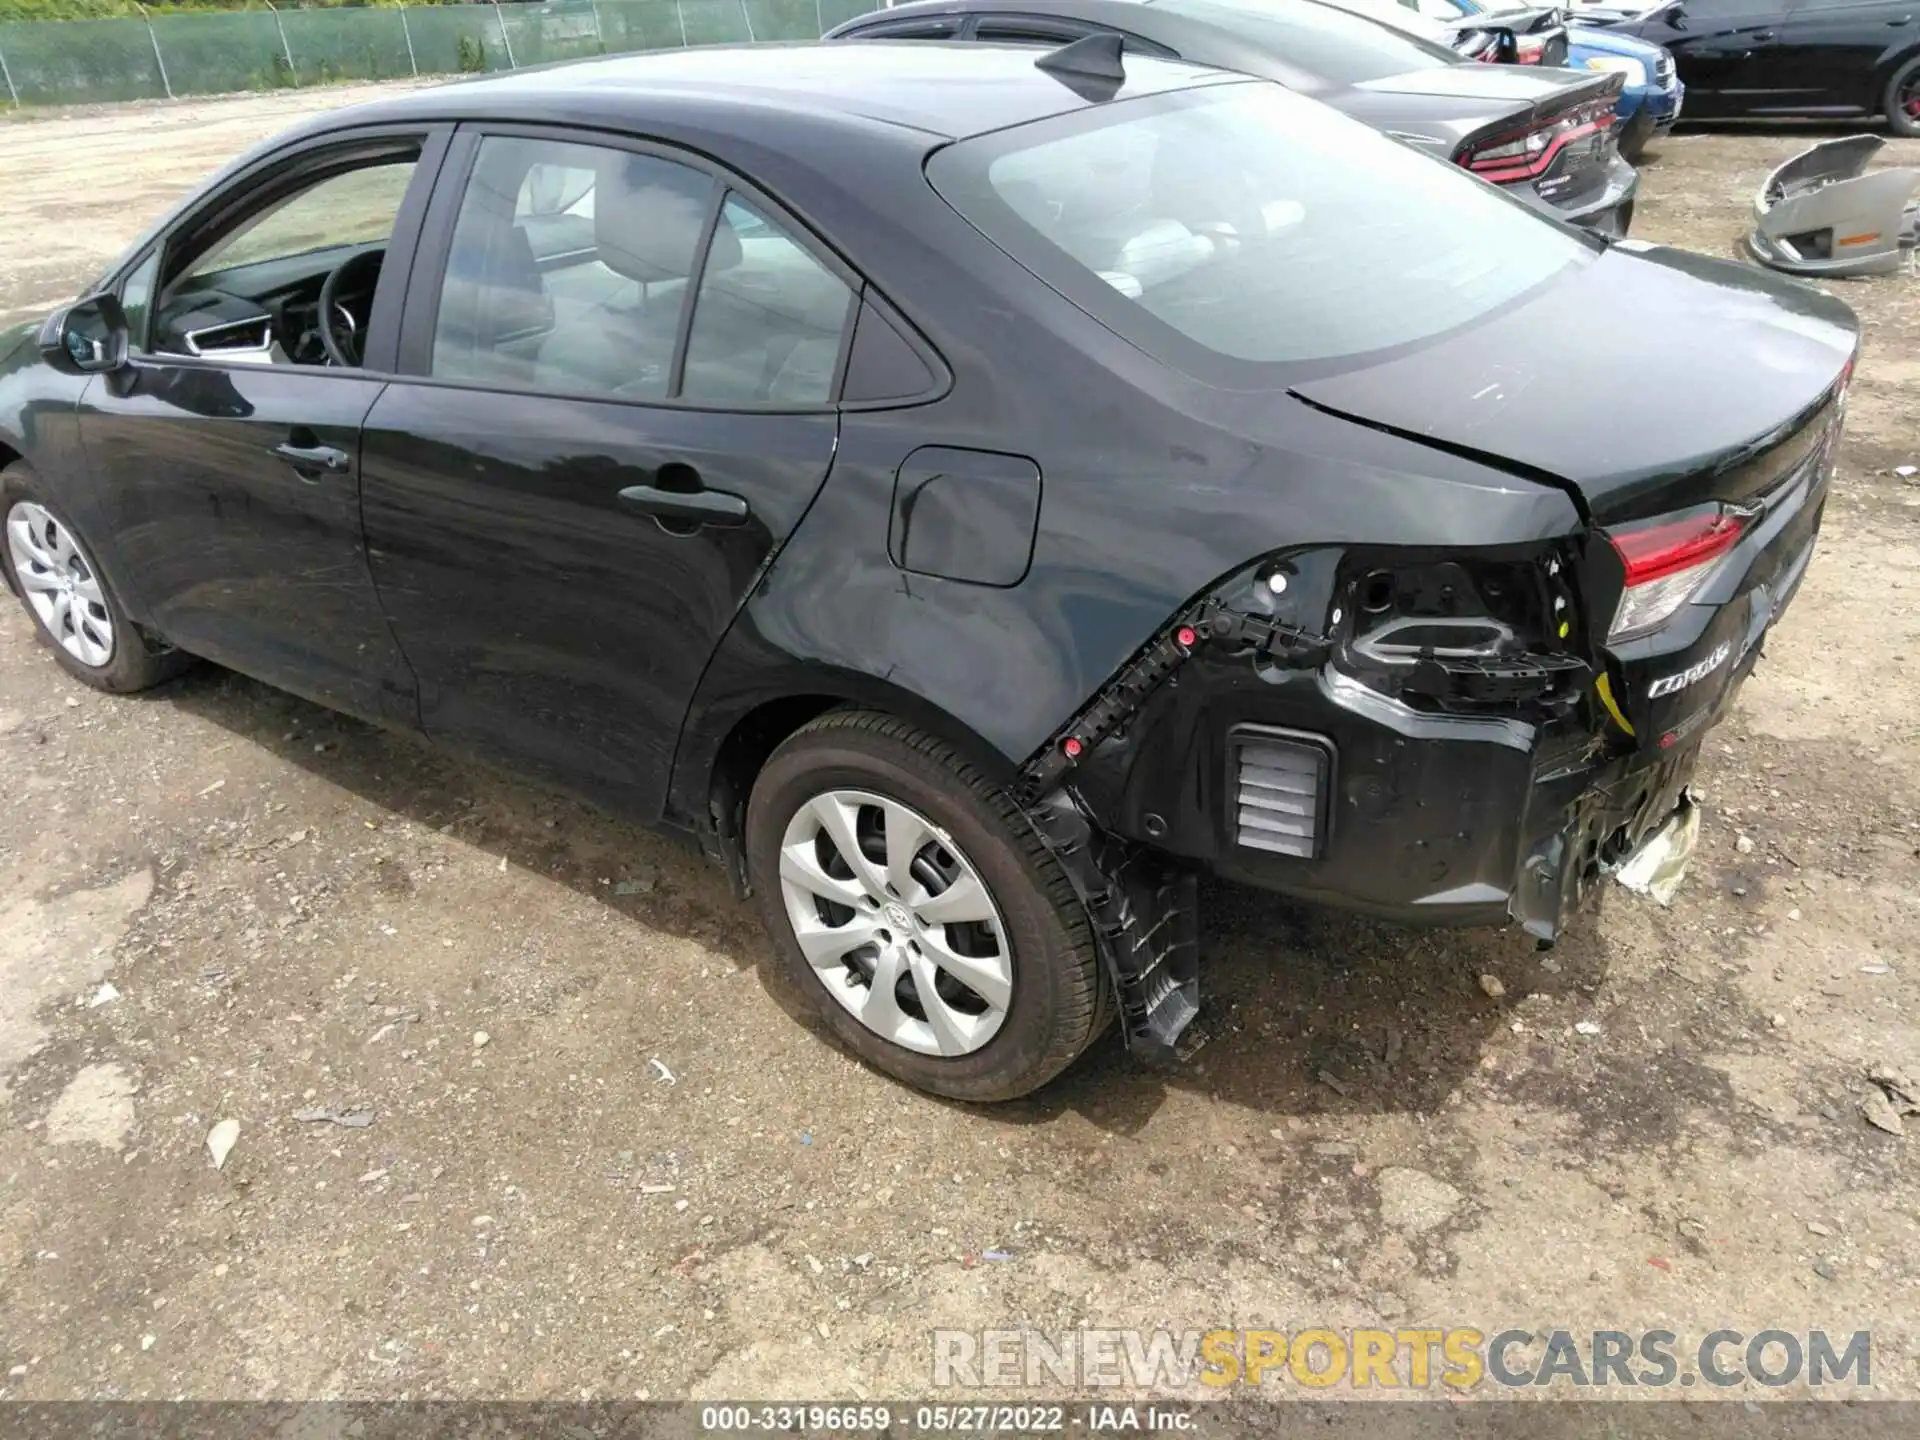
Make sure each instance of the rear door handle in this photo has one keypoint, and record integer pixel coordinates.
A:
(313, 459)
(1763, 35)
(689, 507)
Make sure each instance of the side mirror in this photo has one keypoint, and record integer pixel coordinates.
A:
(1676, 17)
(89, 337)
(1506, 47)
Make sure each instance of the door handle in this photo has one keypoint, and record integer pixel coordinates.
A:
(310, 458)
(689, 507)
(1902, 20)
(1759, 35)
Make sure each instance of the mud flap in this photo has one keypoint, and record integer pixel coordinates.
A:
(1145, 916)
(1823, 213)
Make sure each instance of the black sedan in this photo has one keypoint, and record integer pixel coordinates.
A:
(1546, 135)
(1787, 57)
(970, 491)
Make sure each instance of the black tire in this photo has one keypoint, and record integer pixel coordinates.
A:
(138, 661)
(1634, 136)
(1058, 1006)
(1899, 118)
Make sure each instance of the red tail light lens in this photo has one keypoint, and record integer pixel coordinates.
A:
(1666, 562)
(1523, 154)
(1670, 546)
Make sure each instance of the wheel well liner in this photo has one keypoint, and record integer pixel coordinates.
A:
(8, 455)
(1889, 67)
(714, 799)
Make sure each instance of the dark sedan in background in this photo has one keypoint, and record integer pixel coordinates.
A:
(1522, 34)
(1786, 57)
(972, 491)
(1546, 135)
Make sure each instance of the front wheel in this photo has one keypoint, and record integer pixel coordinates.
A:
(912, 902)
(1903, 99)
(72, 605)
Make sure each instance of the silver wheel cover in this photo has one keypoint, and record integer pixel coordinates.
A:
(896, 922)
(60, 583)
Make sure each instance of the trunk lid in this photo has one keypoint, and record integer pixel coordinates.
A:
(1645, 381)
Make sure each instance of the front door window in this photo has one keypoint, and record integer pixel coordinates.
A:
(250, 290)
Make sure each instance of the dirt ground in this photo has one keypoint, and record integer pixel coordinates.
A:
(607, 1160)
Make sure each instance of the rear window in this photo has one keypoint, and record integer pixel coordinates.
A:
(1242, 223)
(1342, 47)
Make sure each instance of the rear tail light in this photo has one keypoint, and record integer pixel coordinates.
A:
(1524, 154)
(1666, 562)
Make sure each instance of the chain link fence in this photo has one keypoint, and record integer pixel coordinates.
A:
(64, 62)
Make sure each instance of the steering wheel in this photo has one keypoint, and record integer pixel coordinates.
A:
(345, 349)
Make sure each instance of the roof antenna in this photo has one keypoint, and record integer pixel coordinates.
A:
(1094, 57)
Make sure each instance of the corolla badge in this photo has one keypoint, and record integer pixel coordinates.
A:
(1693, 674)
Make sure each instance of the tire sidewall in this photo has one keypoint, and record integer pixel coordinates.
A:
(1018, 1056)
(133, 666)
(1901, 123)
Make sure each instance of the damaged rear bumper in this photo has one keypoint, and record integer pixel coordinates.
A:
(1251, 739)
(1406, 815)
(1604, 206)
(1823, 213)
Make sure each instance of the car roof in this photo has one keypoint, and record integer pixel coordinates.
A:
(1201, 29)
(1023, 7)
(947, 90)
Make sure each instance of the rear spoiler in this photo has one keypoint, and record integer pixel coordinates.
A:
(1823, 213)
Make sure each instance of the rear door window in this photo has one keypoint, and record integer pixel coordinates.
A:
(1021, 30)
(1241, 224)
(1045, 30)
(583, 269)
(907, 30)
(768, 319)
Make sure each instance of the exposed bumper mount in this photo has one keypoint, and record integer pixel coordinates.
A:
(1144, 910)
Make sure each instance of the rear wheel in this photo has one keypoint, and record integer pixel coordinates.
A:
(72, 605)
(913, 904)
(1903, 99)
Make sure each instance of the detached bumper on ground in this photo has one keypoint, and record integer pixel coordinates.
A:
(1823, 213)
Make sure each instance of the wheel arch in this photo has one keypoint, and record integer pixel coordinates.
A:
(1895, 58)
(9, 455)
(728, 738)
